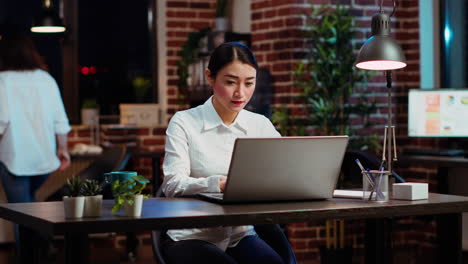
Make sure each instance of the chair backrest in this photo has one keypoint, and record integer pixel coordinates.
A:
(114, 158)
(111, 159)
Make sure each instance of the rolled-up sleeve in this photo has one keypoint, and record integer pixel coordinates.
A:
(61, 123)
(4, 112)
(177, 180)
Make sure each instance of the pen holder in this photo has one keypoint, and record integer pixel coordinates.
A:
(375, 185)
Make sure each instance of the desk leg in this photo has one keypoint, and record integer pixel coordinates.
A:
(76, 248)
(449, 236)
(378, 241)
(28, 249)
(442, 179)
(156, 166)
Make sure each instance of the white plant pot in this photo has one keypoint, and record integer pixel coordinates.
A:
(92, 206)
(135, 208)
(73, 206)
(221, 24)
(89, 116)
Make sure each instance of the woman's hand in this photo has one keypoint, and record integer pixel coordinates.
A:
(64, 158)
(222, 183)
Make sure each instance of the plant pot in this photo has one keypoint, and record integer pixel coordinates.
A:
(92, 206)
(73, 206)
(135, 208)
(221, 24)
(89, 116)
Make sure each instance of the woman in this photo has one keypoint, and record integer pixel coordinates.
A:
(199, 144)
(33, 123)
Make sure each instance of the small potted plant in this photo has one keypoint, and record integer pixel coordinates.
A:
(93, 198)
(89, 111)
(74, 202)
(127, 195)
(221, 21)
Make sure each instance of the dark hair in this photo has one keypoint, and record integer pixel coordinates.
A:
(18, 53)
(227, 53)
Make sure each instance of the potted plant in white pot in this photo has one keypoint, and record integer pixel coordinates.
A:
(93, 198)
(127, 195)
(73, 203)
(89, 111)
(221, 20)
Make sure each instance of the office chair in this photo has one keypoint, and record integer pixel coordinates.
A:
(270, 233)
(111, 159)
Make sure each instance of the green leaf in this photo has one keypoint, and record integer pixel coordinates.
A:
(327, 78)
(124, 192)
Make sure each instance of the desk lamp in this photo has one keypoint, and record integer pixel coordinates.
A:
(381, 53)
(48, 21)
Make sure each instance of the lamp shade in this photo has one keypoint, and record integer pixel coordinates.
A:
(48, 22)
(380, 52)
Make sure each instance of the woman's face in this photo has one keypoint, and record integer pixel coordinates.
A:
(233, 87)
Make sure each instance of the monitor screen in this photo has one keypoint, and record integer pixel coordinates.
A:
(438, 113)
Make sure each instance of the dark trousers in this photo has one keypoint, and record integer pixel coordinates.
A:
(250, 250)
(21, 189)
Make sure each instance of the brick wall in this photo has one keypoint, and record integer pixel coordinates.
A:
(183, 17)
(278, 44)
(277, 40)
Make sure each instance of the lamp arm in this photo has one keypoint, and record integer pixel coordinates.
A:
(394, 7)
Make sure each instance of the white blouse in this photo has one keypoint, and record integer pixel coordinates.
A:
(31, 114)
(198, 151)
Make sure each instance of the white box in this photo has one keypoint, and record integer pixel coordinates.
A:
(139, 114)
(410, 191)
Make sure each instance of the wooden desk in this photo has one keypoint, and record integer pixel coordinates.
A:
(162, 213)
(441, 162)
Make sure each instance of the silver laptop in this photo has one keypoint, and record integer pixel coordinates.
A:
(281, 169)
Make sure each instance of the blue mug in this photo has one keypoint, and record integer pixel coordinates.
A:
(121, 176)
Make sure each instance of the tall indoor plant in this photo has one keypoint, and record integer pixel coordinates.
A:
(328, 79)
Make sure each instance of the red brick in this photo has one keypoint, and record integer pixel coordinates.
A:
(209, 15)
(199, 5)
(143, 132)
(176, 4)
(176, 24)
(277, 23)
(199, 25)
(159, 131)
(184, 14)
(153, 141)
(259, 5)
(294, 21)
(256, 16)
(84, 133)
(282, 67)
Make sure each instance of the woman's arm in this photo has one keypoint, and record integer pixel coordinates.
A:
(62, 151)
(177, 180)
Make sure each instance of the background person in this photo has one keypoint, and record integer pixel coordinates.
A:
(199, 145)
(33, 122)
(33, 127)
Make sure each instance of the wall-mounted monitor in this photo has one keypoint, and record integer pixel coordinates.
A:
(438, 113)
